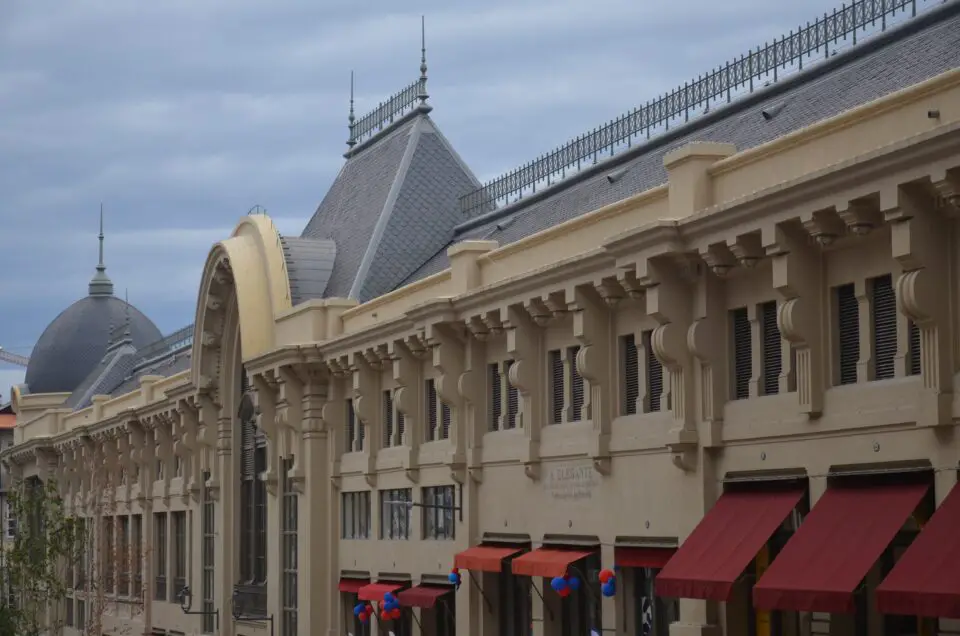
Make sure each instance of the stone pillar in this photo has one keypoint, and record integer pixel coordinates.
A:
(226, 522)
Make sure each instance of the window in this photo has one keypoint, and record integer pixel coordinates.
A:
(654, 369)
(913, 352)
(516, 604)
(68, 621)
(11, 525)
(513, 397)
(160, 556)
(108, 557)
(288, 548)
(351, 428)
(355, 515)
(576, 385)
(388, 419)
(436, 430)
(653, 613)
(395, 513)
(123, 555)
(496, 395)
(503, 415)
(848, 333)
(555, 362)
(179, 522)
(359, 628)
(81, 622)
(253, 501)
(742, 353)
(772, 350)
(438, 512)
(883, 314)
(136, 539)
(207, 552)
(629, 374)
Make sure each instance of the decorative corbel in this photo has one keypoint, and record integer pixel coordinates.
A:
(366, 406)
(210, 439)
(797, 277)
(627, 279)
(720, 258)
(592, 331)
(860, 216)
(188, 445)
(525, 347)
(922, 248)
(292, 386)
(265, 399)
(823, 226)
(493, 323)
(408, 376)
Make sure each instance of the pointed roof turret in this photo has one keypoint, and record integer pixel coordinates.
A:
(100, 284)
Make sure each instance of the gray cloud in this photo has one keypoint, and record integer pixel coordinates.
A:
(181, 115)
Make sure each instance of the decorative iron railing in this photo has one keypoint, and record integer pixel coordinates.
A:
(767, 63)
(396, 106)
(179, 339)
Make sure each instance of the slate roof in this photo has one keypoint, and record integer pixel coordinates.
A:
(908, 54)
(309, 266)
(391, 207)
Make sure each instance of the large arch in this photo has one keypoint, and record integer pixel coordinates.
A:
(247, 271)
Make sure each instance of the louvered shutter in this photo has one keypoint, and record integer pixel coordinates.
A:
(401, 427)
(742, 353)
(913, 360)
(350, 426)
(556, 386)
(513, 398)
(576, 386)
(431, 398)
(884, 313)
(496, 395)
(772, 349)
(630, 374)
(848, 336)
(387, 419)
(654, 374)
(445, 419)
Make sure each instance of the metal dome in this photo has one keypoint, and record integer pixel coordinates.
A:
(76, 341)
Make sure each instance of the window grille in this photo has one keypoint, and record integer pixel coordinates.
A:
(772, 348)
(576, 385)
(913, 354)
(496, 395)
(742, 353)
(446, 416)
(351, 424)
(654, 374)
(513, 397)
(431, 400)
(556, 386)
(848, 333)
(630, 374)
(883, 310)
(387, 419)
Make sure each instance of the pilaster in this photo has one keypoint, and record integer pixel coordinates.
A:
(593, 330)
(226, 520)
(706, 339)
(525, 347)
(407, 355)
(446, 346)
(366, 405)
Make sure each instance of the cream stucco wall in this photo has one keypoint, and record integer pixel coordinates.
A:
(870, 192)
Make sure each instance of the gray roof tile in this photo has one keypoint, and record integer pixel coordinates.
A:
(309, 266)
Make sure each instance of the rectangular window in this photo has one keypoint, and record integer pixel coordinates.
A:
(654, 369)
(179, 523)
(513, 397)
(515, 603)
(395, 513)
(496, 395)
(555, 363)
(288, 547)
(108, 558)
(629, 374)
(438, 512)
(430, 397)
(351, 428)
(401, 427)
(68, 621)
(883, 314)
(355, 515)
(160, 556)
(81, 622)
(772, 354)
(387, 419)
(913, 350)
(445, 418)
(123, 555)
(848, 333)
(136, 540)
(207, 555)
(576, 385)
(654, 614)
(10, 529)
(742, 342)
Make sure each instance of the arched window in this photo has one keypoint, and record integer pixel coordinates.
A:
(253, 501)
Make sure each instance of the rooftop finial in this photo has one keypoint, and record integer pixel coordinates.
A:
(100, 284)
(352, 141)
(423, 60)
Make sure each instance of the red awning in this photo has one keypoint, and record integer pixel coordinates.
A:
(483, 558)
(924, 582)
(837, 544)
(375, 591)
(547, 562)
(642, 557)
(721, 547)
(423, 596)
(352, 586)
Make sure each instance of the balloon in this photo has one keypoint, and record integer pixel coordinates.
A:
(368, 609)
(573, 583)
(605, 575)
(453, 578)
(358, 609)
(395, 613)
(384, 615)
(363, 616)
(558, 583)
(388, 597)
(564, 593)
(456, 570)
(606, 589)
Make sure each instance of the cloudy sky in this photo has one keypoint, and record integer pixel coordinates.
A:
(180, 115)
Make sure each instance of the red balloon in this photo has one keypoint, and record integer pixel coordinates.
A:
(605, 575)
(385, 615)
(456, 570)
(363, 616)
(564, 592)
(369, 609)
(395, 613)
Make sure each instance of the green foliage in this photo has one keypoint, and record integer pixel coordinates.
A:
(47, 546)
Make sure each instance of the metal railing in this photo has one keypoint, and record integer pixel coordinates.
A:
(396, 106)
(179, 339)
(767, 63)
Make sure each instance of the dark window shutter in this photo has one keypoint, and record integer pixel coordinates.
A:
(576, 385)
(848, 336)
(401, 427)
(772, 350)
(350, 427)
(883, 310)
(742, 353)
(654, 374)
(513, 398)
(913, 359)
(387, 418)
(445, 417)
(556, 386)
(630, 362)
(496, 396)
(431, 398)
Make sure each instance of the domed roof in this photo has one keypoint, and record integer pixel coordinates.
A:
(76, 341)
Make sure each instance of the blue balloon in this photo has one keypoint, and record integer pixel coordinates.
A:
(358, 609)
(574, 583)
(609, 588)
(388, 598)
(558, 583)
(453, 578)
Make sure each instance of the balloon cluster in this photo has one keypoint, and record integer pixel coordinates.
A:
(390, 609)
(454, 577)
(565, 584)
(363, 611)
(608, 581)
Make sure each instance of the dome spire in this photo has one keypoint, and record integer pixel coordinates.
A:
(100, 284)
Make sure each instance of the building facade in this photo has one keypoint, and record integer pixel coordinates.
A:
(705, 386)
